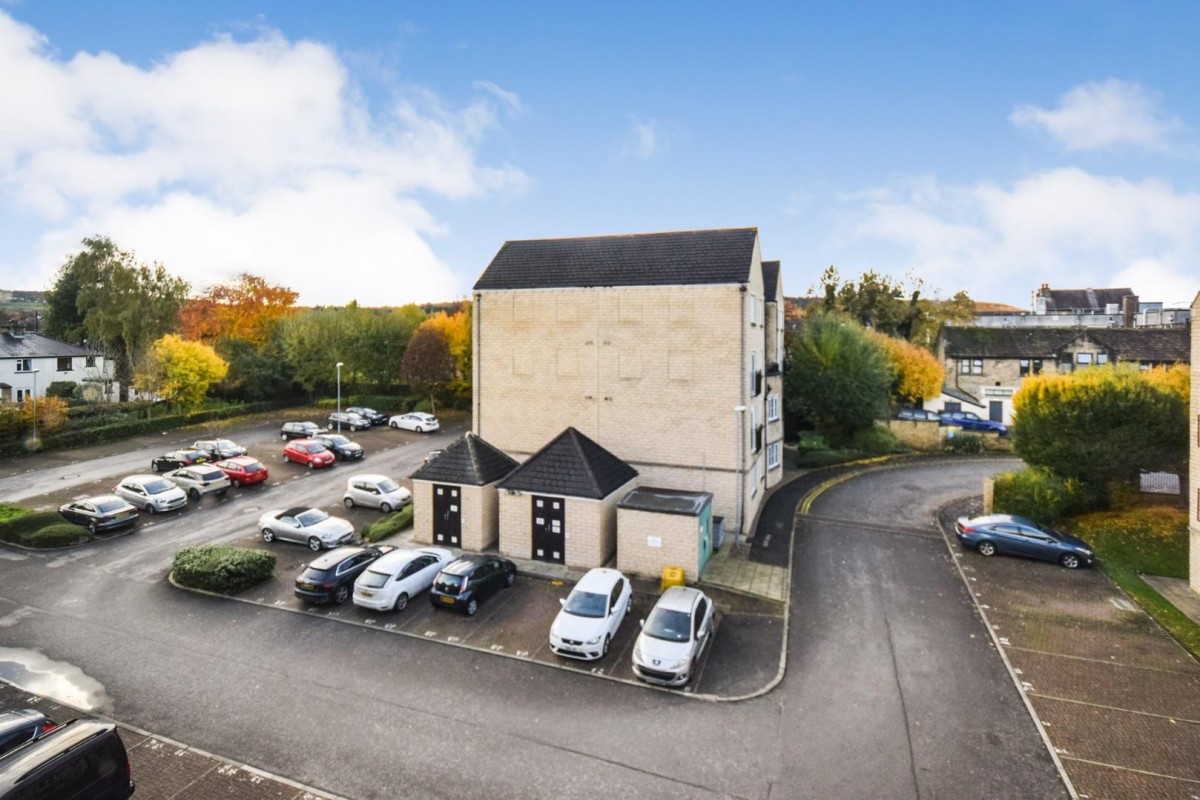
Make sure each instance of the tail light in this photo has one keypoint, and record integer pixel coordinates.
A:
(47, 726)
(326, 585)
(965, 529)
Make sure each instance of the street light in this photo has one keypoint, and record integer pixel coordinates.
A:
(339, 392)
(35, 436)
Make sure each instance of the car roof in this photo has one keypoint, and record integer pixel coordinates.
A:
(100, 498)
(18, 717)
(992, 519)
(240, 460)
(395, 559)
(368, 476)
(296, 511)
(465, 563)
(337, 555)
(679, 598)
(600, 580)
(28, 757)
(142, 478)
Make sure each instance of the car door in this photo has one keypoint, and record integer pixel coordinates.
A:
(1008, 539)
(1039, 544)
(135, 494)
(701, 626)
(73, 513)
(289, 529)
(616, 606)
(427, 569)
(492, 573)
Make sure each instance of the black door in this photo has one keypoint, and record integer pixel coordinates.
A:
(447, 515)
(548, 536)
(996, 410)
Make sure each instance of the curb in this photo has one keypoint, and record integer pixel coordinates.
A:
(95, 539)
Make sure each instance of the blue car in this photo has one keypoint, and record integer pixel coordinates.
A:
(969, 421)
(1019, 536)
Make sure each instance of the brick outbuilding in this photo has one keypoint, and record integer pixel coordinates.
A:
(659, 528)
(455, 499)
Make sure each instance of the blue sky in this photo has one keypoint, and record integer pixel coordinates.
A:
(384, 151)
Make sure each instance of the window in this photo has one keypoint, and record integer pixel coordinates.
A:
(753, 310)
(970, 366)
(755, 436)
(772, 408)
(773, 456)
(753, 373)
(89, 361)
(24, 394)
(1083, 359)
(24, 365)
(64, 364)
(1031, 366)
(1101, 358)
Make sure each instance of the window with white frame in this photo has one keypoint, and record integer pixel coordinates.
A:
(753, 373)
(970, 366)
(1101, 358)
(753, 310)
(772, 408)
(773, 455)
(1083, 359)
(24, 394)
(24, 365)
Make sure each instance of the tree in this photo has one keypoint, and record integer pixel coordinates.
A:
(246, 309)
(64, 315)
(180, 371)
(428, 364)
(1100, 424)
(918, 375)
(884, 304)
(457, 330)
(838, 376)
(256, 372)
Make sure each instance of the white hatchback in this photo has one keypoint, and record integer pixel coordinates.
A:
(375, 491)
(667, 651)
(150, 493)
(395, 578)
(591, 615)
(199, 480)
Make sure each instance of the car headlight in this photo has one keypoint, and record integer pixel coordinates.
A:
(593, 640)
(674, 665)
(1086, 551)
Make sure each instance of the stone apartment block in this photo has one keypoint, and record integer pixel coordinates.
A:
(664, 348)
(1194, 456)
(985, 366)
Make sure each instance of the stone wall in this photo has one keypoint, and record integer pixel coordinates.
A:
(676, 543)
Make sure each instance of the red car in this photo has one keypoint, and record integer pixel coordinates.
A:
(306, 451)
(243, 470)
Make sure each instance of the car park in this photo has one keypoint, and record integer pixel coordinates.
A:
(308, 452)
(330, 577)
(22, 725)
(340, 446)
(375, 491)
(243, 470)
(673, 637)
(918, 415)
(372, 416)
(101, 513)
(220, 448)
(591, 615)
(151, 493)
(415, 421)
(199, 480)
(184, 457)
(970, 421)
(310, 526)
(469, 580)
(1019, 536)
(348, 419)
(389, 583)
(299, 430)
(78, 760)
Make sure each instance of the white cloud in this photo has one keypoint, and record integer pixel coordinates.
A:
(645, 139)
(1103, 115)
(257, 155)
(1066, 227)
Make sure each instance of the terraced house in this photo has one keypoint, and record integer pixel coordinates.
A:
(662, 348)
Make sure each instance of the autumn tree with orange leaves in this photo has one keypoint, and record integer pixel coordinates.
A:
(244, 309)
(917, 374)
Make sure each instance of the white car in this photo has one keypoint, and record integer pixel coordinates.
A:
(199, 480)
(416, 421)
(591, 615)
(395, 578)
(375, 491)
(310, 526)
(673, 637)
(150, 493)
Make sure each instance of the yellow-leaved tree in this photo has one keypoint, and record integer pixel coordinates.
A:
(456, 328)
(180, 371)
(1175, 379)
(918, 373)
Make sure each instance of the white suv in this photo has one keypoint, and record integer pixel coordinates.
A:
(591, 615)
(199, 480)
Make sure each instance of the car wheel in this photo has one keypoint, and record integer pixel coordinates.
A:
(286, 460)
(268, 535)
(472, 607)
(510, 579)
(1070, 561)
(194, 494)
(418, 429)
(314, 543)
(629, 606)
(93, 527)
(401, 602)
(385, 508)
(235, 483)
(607, 642)
(353, 429)
(341, 595)
(348, 502)
(986, 548)
(150, 509)
(393, 425)
(283, 436)
(310, 465)
(154, 466)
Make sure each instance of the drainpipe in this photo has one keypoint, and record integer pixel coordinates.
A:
(743, 400)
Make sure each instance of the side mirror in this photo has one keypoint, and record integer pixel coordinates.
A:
(562, 601)
(641, 623)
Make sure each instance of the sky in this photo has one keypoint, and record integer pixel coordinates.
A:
(383, 151)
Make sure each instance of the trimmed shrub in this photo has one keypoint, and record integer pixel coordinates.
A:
(63, 389)
(39, 528)
(878, 441)
(222, 568)
(60, 534)
(1039, 494)
(11, 512)
(392, 523)
(16, 528)
(963, 444)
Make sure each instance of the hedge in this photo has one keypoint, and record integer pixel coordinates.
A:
(392, 523)
(963, 444)
(1039, 494)
(39, 528)
(222, 568)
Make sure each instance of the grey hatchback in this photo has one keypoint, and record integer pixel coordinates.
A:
(1021, 536)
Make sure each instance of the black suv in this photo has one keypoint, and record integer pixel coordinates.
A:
(330, 578)
(81, 759)
(369, 414)
(469, 580)
(342, 447)
(299, 430)
(22, 725)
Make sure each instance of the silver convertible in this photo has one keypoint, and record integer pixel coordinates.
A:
(310, 526)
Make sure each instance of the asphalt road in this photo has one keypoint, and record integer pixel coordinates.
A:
(892, 688)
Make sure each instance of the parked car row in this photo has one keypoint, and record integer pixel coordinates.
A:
(967, 420)
(359, 418)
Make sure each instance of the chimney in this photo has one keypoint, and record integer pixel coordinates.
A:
(1129, 309)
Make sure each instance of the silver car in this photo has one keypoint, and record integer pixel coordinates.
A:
(150, 493)
(310, 526)
(199, 480)
(375, 491)
(667, 651)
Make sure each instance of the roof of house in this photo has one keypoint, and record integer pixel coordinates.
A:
(770, 280)
(1131, 344)
(1084, 299)
(642, 259)
(468, 461)
(986, 307)
(666, 501)
(35, 345)
(960, 395)
(571, 465)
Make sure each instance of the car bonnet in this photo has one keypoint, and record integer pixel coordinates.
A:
(662, 651)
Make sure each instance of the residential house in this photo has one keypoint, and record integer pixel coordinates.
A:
(985, 366)
(664, 348)
(29, 362)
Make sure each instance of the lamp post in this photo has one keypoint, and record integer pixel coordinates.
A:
(339, 395)
(741, 477)
(35, 436)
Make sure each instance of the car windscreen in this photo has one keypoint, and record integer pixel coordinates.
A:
(312, 517)
(336, 440)
(372, 579)
(108, 506)
(388, 486)
(669, 625)
(157, 487)
(252, 467)
(210, 475)
(314, 448)
(586, 604)
(450, 584)
(311, 575)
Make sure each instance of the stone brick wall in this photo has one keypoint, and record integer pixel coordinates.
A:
(516, 537)
(918, 434)
(590, 527)
(488, 509)
(422, 492)
(1194, 459)
(676, 534)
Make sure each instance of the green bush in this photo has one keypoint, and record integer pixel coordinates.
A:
(877, 441)
(60, 534)
(392, 523)
(38, 528)
(963, 444)
(1039, 494)
(222, 568)
(11, 512)
(64, 389)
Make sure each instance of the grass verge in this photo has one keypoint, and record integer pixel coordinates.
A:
(392, 523)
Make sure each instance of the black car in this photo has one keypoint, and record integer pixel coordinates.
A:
(81, 759)
(101, 513)
(341, 447)
(469, 580)
(369, 414)
(330, 578)
(183, 457)
(21, 726)
(347, 419)
(299, 430)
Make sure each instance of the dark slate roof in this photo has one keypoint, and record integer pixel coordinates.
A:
(666, 501)
(1163, 345)
(34, 345)
(959, 394)
(571, 465)
(770, 280)
(642, 259)
(468, 461)
(1085, 299)
(1129, 344)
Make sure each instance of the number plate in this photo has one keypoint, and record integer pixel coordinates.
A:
(447, 600)
(307, 586)
(366, 594)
